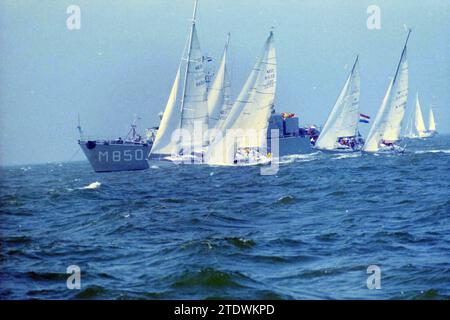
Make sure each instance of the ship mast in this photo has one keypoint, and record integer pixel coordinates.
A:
(132, 130)
(188, 60)
(80, 131)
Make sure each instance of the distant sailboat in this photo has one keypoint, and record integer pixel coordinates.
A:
(340, 132)
(431, 123)
(185, 118)
(416, 127)
(384, 135)
(244, 130)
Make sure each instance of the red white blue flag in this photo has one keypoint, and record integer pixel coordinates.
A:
(364, 118)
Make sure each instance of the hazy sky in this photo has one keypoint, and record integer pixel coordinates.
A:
(124, 58)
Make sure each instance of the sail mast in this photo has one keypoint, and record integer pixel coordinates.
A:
(401, 56)
(226, 83)
(356, 61)
(188, 59)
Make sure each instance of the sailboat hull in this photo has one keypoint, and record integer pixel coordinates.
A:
(340, 150)
(429, 134)
(395, 149)
(287, 145)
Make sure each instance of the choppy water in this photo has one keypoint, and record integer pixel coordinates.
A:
(173, 231)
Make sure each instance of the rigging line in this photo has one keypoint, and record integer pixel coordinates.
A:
(73, 156)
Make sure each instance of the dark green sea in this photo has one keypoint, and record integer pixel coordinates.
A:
(198, 232)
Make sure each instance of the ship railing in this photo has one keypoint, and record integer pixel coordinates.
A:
(112, 141)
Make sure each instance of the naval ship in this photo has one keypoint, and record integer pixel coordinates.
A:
(106, 155)
(293, 139)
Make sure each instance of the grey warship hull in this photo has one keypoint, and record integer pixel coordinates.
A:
(292, 138)
(107, 156)
(292, 145)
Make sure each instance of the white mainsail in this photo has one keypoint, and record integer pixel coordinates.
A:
(247, 121)
(419, 124)
(256, 111)
(192, 114)
(219, 102)
(431, 122)
(344, 117)
(387, 124)
(194, 107)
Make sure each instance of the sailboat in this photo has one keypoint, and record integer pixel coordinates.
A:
(340, 132)
(243, 133)
(431, 124)
(384, 135)
(181, 134)
(416, 127)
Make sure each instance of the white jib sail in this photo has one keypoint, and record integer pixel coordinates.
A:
(376, 131)
(344, 117)
(419, 124)
(387, 124)
(219, 93)
(432, 123)
(246, 124)
(164, 144)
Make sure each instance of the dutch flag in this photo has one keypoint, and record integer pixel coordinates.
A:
(364, 118)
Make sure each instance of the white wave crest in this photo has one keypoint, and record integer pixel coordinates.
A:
(93, 185)
(300, 157)
(432, 151)
(347, 155)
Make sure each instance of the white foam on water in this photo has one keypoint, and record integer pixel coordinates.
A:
(93, 185)
(347, 155)
(299, 158)
(154, 167)
(249, 164)
(432, 151)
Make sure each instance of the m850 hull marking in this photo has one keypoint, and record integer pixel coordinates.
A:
(105, 157)
(122, 155)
